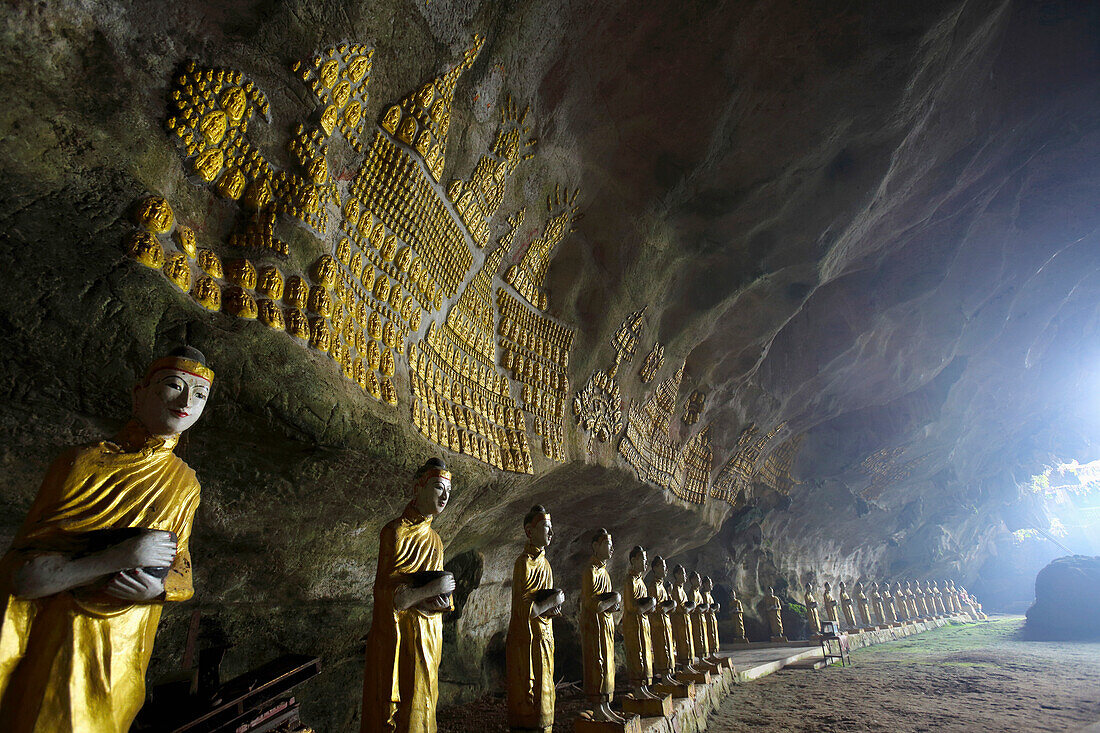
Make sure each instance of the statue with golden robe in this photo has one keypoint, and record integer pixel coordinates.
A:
(713, 608)
(104, 546)
(598, 603)
(775, 615)
(411, 593)
(637, 639)
(877, 606)
(529, 649)
(700, 625)
(864, 605)
(813, 616)
(681, 619)
(737, 611)
(664, 642)
(830, 604)
(847, 608)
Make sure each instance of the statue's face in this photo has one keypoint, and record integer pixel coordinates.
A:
(659, 569)
(638, 562)
(540, 531)
(432, 496)
(603, 548)
(708, 585)
(172, 402)
(680, 576)
(694, 580)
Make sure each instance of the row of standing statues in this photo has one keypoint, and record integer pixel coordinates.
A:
(106, 544)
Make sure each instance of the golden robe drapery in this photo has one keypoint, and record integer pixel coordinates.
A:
(637, 642)
(597, 633)
(76, 660)
(401, 684)
(664, 642)
(529, 649)
(738, 612)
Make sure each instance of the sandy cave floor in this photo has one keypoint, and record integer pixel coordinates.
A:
(976, 677)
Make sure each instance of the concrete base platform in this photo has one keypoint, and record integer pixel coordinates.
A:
(754, 660)
(659, 707)
(633, 724)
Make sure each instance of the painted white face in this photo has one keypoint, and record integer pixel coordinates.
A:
(433, 495)
(172, 402)
(540, 532)
(603, 548)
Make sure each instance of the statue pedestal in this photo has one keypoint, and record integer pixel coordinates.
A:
(777, 639)
(742, 640)
(633, 724)
(656, 707)
(706, 665)
(721, 662)
(699, 678)
(680, 691)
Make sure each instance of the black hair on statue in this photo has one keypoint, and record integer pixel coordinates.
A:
(637, 550)
(655, 559)
(678, 568)
(432, 464)
(599, 534)
(188, 352)
(533, 512)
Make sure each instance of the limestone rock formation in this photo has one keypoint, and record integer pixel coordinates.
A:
(1067, 595)
(864, 237)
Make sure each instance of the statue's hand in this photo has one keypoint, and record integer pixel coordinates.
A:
(146, 550)
(442, 587)
(135, 585)
(435, 604)
(559, 599)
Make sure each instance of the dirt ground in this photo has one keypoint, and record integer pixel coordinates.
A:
(975, 677)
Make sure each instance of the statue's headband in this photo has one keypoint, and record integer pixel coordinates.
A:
(180, 364)
(434, 473)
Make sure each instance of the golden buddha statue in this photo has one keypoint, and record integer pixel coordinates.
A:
(949, 598)
(681, 619)
(530, 644)
(700, 625)
(937, 599)
(864, 605)
(889, 613)
(830, 604)
(901, 605)
(876, 606)
(911, 601)
(104, 546)
(813, 616)
(775, 615)
(847, 608)
(411, 592)
(664, 642)
(738, 613)
(598, 603)
(712, 615)
(637, 639)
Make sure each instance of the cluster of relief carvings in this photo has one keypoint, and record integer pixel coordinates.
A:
(402, 251)
(487, 364)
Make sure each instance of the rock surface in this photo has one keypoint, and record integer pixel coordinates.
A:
(874, 226)
(1067, 596)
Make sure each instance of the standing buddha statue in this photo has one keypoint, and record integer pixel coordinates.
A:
(712, 616)
(105, 545)
(598, 603)
(664, 643)
(848, 608)
(529, 648)
(830, 604)
(411, 593)
(864, 605)
(813, 616)
(775, 615)
(737, 611)
(637, 639)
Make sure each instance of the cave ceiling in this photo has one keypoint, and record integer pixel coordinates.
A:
(655, 264)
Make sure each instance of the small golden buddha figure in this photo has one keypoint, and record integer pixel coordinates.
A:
(664, 642)
(813, 615)
(598, 603)
(775, 617)
(411, 592)
(207, 293)
(297, 325)
(530, 643)
(296, 293)
(240, 303)
(864, 605)
(271, 315)
(104, 546)
(145, 248)
(242, 273)
(154, 215)
(638, 604)
(738, 613)
(848, 608)
(210, 263)
(830, 604)
(185, 240)
(178, 271)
